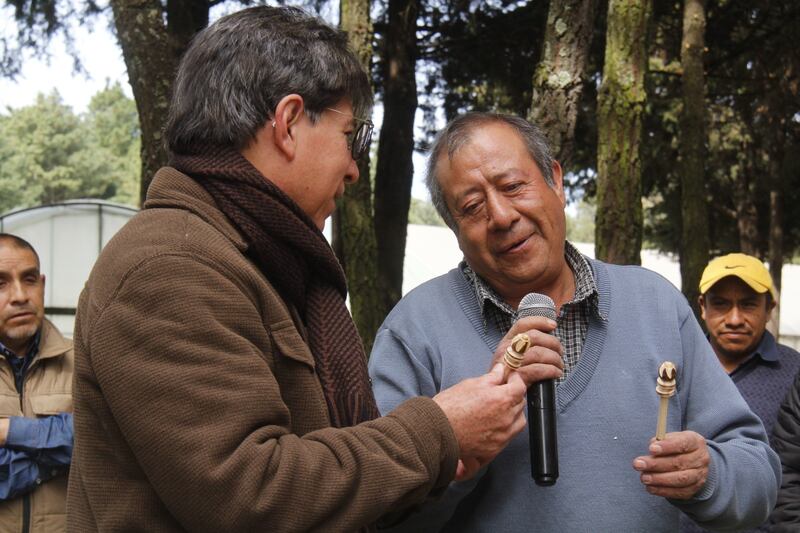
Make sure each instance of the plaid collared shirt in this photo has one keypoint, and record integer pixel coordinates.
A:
(573, 320)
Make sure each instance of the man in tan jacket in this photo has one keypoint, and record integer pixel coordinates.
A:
(220, 382)
(36, 365)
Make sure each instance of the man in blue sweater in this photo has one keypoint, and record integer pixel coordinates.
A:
(494, 182)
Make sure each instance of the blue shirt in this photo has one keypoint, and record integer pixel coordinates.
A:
(19, 365)
(765, 378)
(36, 449)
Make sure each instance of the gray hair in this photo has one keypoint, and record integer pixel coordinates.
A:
(457, 133)
(235, 72)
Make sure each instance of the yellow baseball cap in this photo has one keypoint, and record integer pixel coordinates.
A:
(745, 267)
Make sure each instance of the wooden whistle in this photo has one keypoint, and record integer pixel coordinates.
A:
(665, 387)
(514, 353)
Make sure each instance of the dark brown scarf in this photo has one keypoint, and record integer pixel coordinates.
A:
(297, 260)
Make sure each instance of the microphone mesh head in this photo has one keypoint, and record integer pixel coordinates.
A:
(535, 304)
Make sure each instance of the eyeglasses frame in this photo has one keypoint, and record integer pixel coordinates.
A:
(355, 151)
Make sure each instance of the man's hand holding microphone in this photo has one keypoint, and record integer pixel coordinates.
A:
(543, 359)
(486, 412)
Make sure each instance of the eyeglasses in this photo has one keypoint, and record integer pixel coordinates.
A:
(358, 142)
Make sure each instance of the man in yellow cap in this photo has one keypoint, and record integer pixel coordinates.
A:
(736, 300)
(737, 297)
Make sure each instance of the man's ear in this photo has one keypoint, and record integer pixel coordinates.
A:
(558, 183)
(771, 304)
(288, 113)
(701, 303)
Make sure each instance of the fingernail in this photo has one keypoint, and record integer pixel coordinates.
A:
(641, 465)
(647, 478)
(655, 448)
(552, 323)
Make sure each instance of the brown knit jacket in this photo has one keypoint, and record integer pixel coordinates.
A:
(196, 403)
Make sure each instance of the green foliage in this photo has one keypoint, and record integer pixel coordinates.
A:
(751, 115)
(481, 55)
(113, 125)
(49, 154)
(478, 55)
(422, 212)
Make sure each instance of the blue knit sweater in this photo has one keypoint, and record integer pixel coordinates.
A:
(607, 410)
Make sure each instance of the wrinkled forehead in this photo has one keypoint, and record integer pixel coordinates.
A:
(495, 148)
(466, 133)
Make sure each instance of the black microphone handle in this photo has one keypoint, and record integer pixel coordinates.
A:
(541, 399)
(542, 432)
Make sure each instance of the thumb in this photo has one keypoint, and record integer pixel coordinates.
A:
(496, 374)
(461, 471)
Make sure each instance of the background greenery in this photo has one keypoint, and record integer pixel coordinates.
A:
(49, 154)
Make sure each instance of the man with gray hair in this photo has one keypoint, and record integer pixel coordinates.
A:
(493, 180)
(220, 384)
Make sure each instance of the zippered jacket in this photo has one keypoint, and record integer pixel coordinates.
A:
(37, 454)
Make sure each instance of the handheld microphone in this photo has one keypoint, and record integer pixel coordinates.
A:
(541, 404)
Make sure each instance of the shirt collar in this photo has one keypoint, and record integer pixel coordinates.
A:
(767, 348)
(585, 286)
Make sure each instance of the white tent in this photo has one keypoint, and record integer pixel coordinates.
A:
(68, 237)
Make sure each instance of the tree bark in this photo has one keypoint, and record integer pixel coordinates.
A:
(151, 51)
(184, 19)
(395, 169)
(151, 60)
(621, 103)
(776, 132)
(694, 208)
(353, 229)
(744, 203)
(776, 251)
(559, 77)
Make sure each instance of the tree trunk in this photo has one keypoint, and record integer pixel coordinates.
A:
(395, 169)
(744, 203)
(621, 103)
(776, 128)
(353, 230)
(559, 77)
(747, 224)
(776, 250)
(184, 19)
(151, 51)
(694, 209)
(151, 60)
